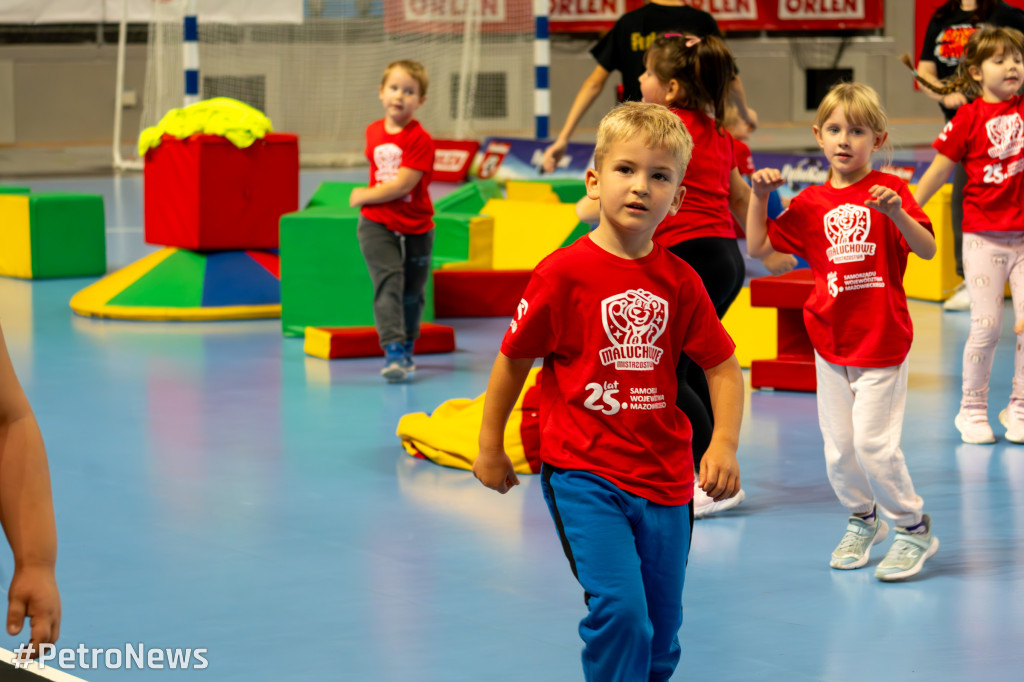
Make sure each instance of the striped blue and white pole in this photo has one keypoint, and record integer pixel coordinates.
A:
(190, 47)
(541, 63)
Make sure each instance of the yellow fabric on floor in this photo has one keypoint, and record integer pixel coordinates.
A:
(449, 436)
(240, 123)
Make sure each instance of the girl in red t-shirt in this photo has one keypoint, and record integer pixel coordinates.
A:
(856, 232)
(692, 77)
(987, 136)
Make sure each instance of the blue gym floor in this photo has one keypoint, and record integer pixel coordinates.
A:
(216, 488)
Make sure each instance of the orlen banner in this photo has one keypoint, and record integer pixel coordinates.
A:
(449, 16)
(735, 15)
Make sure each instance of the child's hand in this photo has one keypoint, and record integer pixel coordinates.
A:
(886, 199)
(356, 198)
(765, 180)
(33, 595)
(494, 469)
(779, 263)
(719, 473)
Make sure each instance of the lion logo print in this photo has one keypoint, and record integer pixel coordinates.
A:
(847, 228)
(633, 321)
(388, 159)
(1006, 133)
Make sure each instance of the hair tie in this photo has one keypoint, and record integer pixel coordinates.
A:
(672, 35)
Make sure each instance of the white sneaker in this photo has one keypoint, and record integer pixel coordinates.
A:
(960, 300)
(1013, 419)
(973, 425)
(705, 506)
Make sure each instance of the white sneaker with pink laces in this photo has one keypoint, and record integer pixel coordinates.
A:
(973, 425)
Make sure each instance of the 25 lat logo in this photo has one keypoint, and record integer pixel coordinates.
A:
(602, 397)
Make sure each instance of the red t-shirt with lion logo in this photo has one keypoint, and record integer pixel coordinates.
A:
(857, 315)
(611, 331)
(410, 148)
(989, 139)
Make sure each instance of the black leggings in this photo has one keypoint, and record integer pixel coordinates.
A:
(719, 264)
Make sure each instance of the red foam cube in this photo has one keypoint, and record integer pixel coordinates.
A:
(204, 193)
(478, 293)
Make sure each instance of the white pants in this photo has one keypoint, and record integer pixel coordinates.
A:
(990, 260)
(860, 411)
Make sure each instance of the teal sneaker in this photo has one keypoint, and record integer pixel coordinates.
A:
(908, 553)
(855, 547)
(394, 369)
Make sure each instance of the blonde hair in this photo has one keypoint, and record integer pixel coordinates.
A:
(652, 124)
(984, 43)
(704, 68)
(416, 70)
(860, 105)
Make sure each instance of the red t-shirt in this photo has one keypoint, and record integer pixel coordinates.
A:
(705, 208)
(989, 138)
(410, 148)
(745, 164)
(857, 314)
(610, 331)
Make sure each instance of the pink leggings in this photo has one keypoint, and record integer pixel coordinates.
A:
(990, 260)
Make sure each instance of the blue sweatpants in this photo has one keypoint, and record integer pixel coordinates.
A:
(629, 555)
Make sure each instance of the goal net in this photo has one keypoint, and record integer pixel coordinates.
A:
(319, 75)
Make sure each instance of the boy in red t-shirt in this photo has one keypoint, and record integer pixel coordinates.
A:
(611, 315)
(396, 227)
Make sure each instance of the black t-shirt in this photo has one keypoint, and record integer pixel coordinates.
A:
(944, 40)
(622, 48)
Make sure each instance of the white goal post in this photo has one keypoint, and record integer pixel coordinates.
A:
(314, 66)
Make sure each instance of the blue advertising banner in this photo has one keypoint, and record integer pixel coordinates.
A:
(803, 170)
(506, 158)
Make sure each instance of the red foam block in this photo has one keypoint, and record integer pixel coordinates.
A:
(478, 293)
(204, 193)
(793, 367)
(363, 342)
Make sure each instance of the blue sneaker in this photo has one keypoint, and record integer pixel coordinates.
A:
(394, 363)
(408, 363)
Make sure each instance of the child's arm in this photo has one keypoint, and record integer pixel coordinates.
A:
(739, 204)
(719, 474)
(493, 467)
(588, 210)
(762, 184)
(386, 191)
(26, 512)
(738, 97)
(888, 201)
(933, 178)
(588, 92)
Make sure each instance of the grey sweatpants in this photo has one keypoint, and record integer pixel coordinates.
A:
(399, 265)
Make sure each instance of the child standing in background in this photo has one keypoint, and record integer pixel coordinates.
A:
(987, 136)
(396, 228)
(856, 232)
(611, 315)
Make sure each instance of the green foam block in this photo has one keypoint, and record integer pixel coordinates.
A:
(324, 280)
(68, 235)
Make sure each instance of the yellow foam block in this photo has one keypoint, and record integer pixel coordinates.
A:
(935, 279)
(317, 343)
(527, 231)
(517, 190)
(754, 330)
(481, 246)
(15, 236)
